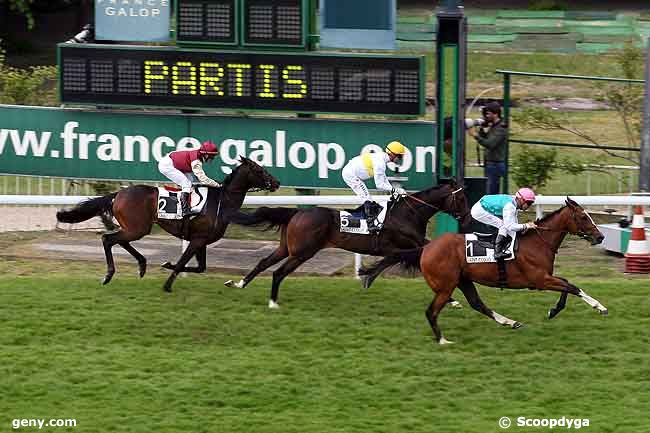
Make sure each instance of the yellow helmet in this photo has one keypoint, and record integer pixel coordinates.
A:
(396, 148)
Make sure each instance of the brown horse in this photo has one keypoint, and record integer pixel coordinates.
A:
(444, 265)
(136, 210)
(304, 232)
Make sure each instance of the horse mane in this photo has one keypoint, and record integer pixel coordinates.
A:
(229, 178)
(549, 216)
(424, 191)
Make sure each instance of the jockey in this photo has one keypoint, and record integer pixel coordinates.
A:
(500, 211)
(368, 165)
(183, 167)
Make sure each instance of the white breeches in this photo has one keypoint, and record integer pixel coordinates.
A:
(184, 180)
(356, 184)
(485, 217)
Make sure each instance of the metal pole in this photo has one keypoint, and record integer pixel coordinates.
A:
(506, 117)
(644, 160)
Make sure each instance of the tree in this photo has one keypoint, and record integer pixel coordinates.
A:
(535, 167)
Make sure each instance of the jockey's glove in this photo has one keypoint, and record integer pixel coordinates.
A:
(398, 190)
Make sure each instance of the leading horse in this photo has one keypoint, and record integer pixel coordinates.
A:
(444, 266)
(136, 210)
(304, 232)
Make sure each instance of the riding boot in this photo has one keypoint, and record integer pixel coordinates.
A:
(185, 204)
(500, 246)
(371, 216)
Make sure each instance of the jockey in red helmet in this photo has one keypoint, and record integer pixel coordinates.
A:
(184, 167)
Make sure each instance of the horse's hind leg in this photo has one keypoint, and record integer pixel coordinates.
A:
(276, 256)
(287, 267)
(142, 261)
(471, 294)
(432, 312)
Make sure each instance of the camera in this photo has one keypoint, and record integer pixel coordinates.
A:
(84, 36)
(470, 123)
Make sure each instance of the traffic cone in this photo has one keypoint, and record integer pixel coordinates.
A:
(637, 257)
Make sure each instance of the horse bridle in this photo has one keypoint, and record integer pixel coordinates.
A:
(435, 208)
(581, 234)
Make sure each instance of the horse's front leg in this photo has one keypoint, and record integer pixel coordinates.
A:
(191, 249)
(562, 285)
(200, 258)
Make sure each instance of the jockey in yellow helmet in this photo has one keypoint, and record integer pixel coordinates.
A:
(367, 165)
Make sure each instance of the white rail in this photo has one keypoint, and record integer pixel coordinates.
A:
(337, 200)
(342, 200)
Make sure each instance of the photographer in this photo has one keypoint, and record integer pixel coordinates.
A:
(492, 136)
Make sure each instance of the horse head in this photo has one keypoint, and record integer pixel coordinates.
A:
(456, 203)
(448, 198)
(580, 223)
(251, 175)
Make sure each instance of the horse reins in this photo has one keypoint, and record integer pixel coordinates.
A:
(555, 250)
(435, 208)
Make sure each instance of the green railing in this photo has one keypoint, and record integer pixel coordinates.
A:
(507, 83)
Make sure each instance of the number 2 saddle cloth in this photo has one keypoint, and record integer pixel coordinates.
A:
(479, 248)
(169, 207)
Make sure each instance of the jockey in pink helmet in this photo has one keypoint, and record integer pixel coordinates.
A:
(500, 211)
(184, 167)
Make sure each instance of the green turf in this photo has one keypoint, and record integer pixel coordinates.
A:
(334, 358)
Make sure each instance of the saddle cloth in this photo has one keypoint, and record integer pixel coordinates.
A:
(355, 221)
(479, 248)
(169, 207)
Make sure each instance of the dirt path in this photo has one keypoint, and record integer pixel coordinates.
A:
(36, 218)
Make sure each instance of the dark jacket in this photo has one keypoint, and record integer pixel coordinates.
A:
(494, 142)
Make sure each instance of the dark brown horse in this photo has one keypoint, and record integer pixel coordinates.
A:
(136, 210)
(444, 265)
(304, 232)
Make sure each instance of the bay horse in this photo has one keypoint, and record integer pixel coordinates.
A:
(304, 232)
(136, 210)
(444, 266)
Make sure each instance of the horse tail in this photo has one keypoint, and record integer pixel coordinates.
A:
(409, 259)
(87, 209)
(272, 217)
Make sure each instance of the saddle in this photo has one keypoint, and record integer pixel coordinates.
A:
(355, 220)
(479, 248)
(169, 207)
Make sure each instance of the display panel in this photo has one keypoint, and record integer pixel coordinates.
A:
(274, 22)
(182, 78)
(209, 21)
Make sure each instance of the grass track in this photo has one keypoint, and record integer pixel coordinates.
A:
(129, 358)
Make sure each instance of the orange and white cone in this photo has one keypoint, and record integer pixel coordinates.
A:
(637, 257)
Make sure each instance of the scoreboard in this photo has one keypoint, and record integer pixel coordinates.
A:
(247, 23)
(191, 78)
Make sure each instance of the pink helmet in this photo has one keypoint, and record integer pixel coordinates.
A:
(526, 194)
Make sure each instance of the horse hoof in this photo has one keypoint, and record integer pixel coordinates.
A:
(229, 283)
(143, 270)
(517, 325)
(167, 265)
(604, 312)
(444, 341)
(455, 304)
(552, 313)
(107, 279)
(273, 305)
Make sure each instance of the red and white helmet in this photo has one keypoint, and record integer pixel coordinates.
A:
(209, 149)
(526, 194)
